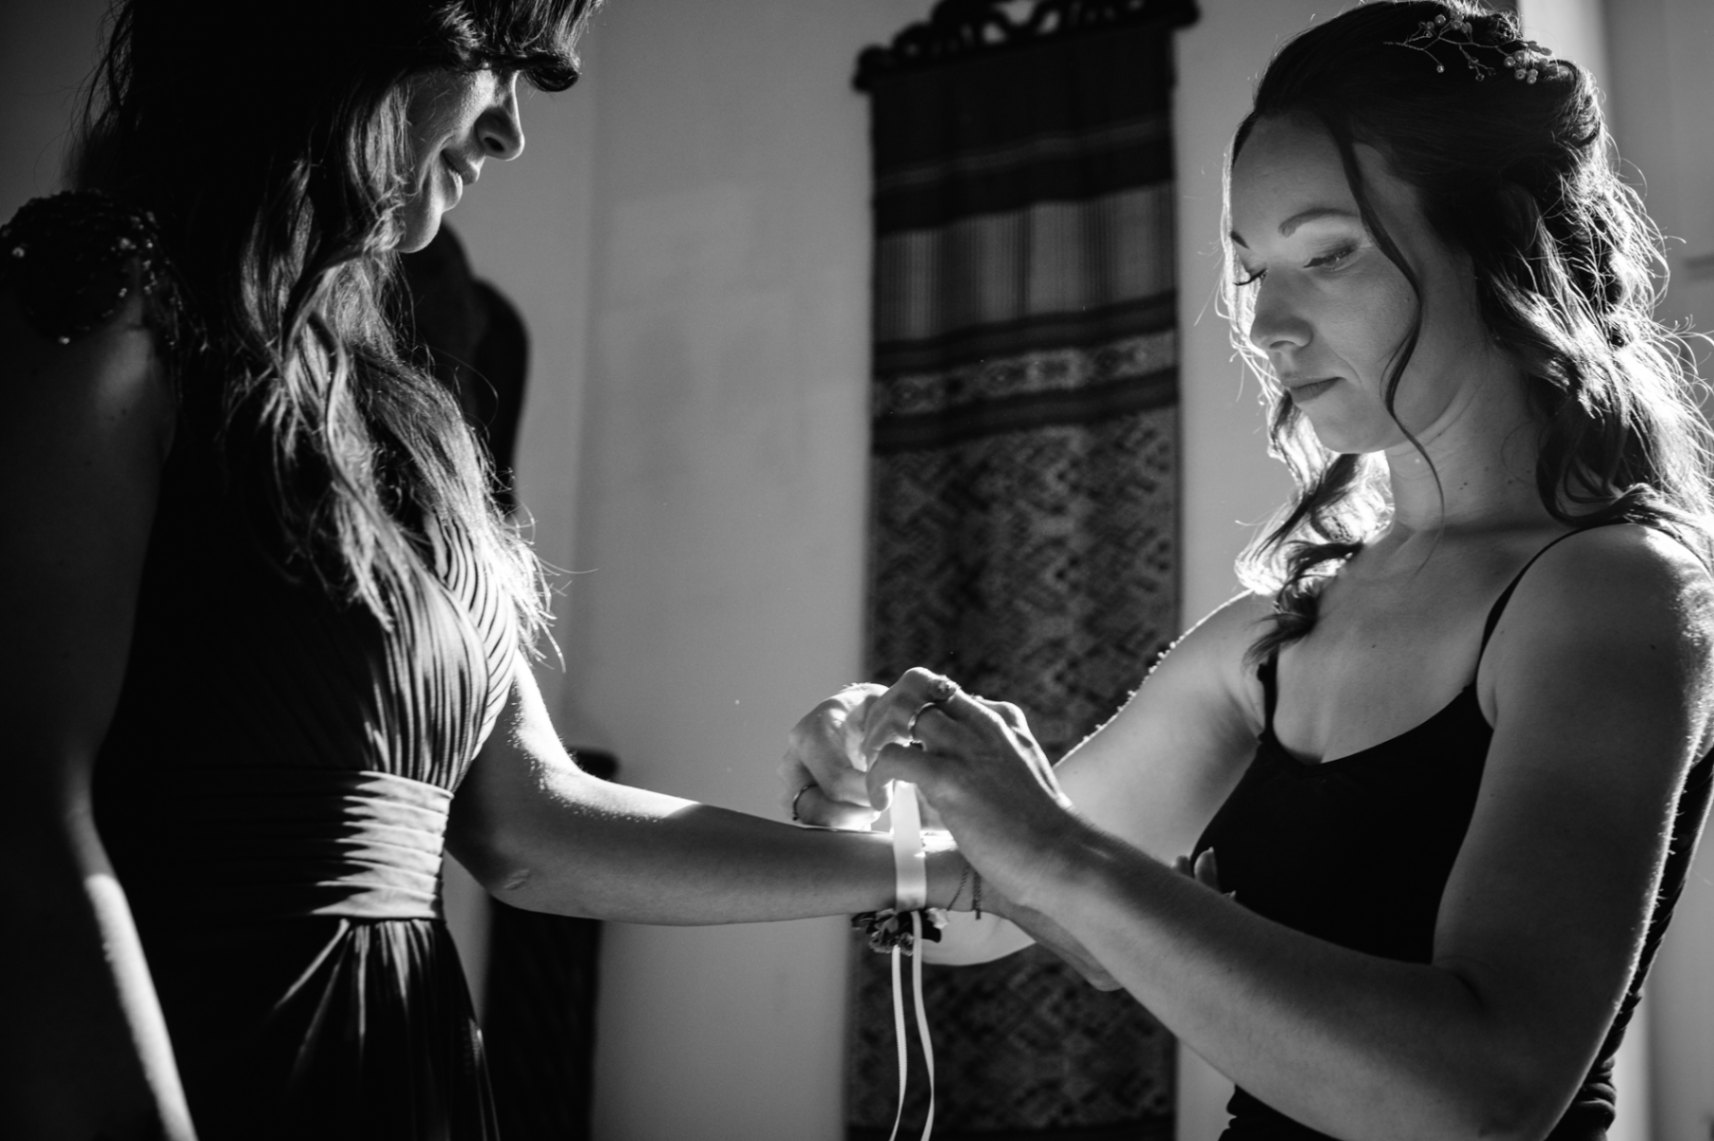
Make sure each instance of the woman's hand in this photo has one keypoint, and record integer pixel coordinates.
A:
(1205, 871)
(822, 772)
(978, 765)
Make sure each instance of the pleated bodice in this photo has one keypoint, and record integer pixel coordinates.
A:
(274, 793)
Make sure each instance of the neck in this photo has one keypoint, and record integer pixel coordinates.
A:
(1478, 472)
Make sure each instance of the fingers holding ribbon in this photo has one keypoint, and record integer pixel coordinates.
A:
(921, 714)
(977, 764)
(897, 716)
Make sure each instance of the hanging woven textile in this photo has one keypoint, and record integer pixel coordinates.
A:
(1025, 483)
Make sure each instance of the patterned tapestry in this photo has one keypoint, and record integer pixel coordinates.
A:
(1025, 483)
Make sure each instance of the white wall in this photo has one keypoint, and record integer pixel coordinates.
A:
(719, 474)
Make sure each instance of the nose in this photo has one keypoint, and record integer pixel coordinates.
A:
(1276, 325)
(501, 127)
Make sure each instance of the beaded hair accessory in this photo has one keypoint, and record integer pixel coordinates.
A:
(1527, 61)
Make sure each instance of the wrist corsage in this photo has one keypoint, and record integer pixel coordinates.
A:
(889, 928)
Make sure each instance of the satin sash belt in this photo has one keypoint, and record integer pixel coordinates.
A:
(259, 844)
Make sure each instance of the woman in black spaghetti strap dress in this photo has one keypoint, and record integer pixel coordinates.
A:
(263, 635)
(1446, 761)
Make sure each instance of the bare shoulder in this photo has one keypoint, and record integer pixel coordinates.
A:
(1159, 770)
(1225, 633)
(1205, 678)
(1622, 612)
(1218, 646)
(1624, 581)
(111, 378)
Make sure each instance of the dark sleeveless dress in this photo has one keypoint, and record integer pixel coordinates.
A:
(274, 788)
(1286, 834)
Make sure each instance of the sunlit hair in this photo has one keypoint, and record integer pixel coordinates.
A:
(269, 140)
(1520, 176)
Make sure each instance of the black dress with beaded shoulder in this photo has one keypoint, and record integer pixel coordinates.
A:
(1357, 850)
(274, 788)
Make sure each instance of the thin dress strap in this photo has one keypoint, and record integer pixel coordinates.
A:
(1506, 594)
(1266, 673)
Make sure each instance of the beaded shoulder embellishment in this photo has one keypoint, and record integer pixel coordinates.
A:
(76, 256)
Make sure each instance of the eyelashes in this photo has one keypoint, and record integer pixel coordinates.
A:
(1332, 259)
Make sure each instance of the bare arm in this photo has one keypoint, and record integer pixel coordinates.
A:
(1598, 687)
(543, 835)
(1156, 773)
(84, 433)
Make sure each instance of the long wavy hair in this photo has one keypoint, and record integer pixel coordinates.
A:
(1518, 171)
(269, 140)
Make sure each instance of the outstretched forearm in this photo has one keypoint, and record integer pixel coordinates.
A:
(581, 846)
(542, 834)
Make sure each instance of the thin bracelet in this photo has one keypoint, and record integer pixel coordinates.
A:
(976, 894)
(963, 878)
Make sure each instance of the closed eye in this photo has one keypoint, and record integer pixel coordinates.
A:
(1331, 259)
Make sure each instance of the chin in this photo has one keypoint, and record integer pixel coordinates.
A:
(1348, 440)
(417, 231)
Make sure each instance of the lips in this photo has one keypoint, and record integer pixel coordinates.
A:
(461, 175)
(1303, 391)
(466, 172)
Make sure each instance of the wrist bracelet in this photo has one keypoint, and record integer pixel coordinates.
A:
(963, 878)
(887, 929)
(976, 895)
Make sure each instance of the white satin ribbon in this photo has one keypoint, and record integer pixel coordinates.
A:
(910, 892)
(910, 863)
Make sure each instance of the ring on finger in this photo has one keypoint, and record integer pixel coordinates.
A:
(938, 694)
(911, 729)
(797, 796)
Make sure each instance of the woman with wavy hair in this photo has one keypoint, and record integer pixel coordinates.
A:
(260, 615)
(1445, 762)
